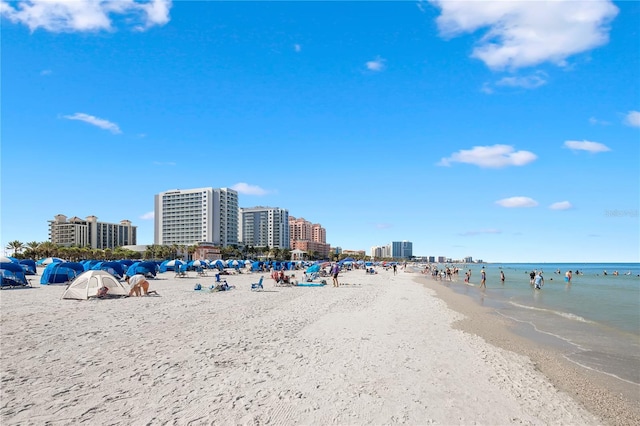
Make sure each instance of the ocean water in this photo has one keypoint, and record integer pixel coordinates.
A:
(594, 321)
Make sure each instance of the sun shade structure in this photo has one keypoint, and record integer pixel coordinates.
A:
(87, 284)
(12, 275)
(49, 260)
(60, 272)
(145, 268)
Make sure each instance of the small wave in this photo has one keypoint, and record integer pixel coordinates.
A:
(566, 315)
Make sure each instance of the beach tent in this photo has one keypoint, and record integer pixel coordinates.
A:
(60, 272)
(49, 260)
(89, 264)
(29, 266)
(86, 285)
(12, 275)
(8, 259)
(114, 268)
(146, 268)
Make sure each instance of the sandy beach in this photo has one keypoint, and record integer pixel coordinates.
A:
(381, 349)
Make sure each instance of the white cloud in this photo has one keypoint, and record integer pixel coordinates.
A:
(376, 65)
(586, 146)
(85, 15)
(148, 216)
(597, 122)
(526, 82)
(561, 205)
(526, 33)
(95, 121)
(516, 202)
(632, 119)
(495, 156)
(245, 188)
(45, 72)
(297, 47)
(164, 163)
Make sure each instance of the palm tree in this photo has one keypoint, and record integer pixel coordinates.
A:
(47, 249)
(16, 246)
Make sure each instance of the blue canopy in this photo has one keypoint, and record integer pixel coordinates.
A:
(114, 268)
(313, 268)
(218, 264)
(171, 265)
(145, 268)
(60, 272)
(12, 274)
(29, 266)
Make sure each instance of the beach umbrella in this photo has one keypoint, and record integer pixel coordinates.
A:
(7, 259)
(313, 268)
(174, 263)
(49, 260)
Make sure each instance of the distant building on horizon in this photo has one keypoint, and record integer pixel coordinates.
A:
(264, 226)
(308, 237)
(89, 232)
(190, 216)
(401, 249)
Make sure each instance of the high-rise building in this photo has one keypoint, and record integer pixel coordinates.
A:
(307, 236)
(264, 226)
(401, 249)
(89, 232)
(190, 216)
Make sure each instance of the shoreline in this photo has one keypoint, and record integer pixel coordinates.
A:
(610, 399)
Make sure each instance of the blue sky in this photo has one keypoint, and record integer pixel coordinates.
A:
(506, 131)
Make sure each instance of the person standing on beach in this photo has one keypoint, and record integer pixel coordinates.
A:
(334, 272)
(394, 269)
(502, 277)
(483, 278)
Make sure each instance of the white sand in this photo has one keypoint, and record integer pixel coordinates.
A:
(378, 351)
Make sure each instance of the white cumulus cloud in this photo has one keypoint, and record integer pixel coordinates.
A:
(95, 121)
(561, 205)
(148, 216)
(515, 202)
(245, 188)
(586, 146)
(495, 156)
(85, 15)
(527, 33)
(526, 82)
(632, 119)
(376, 65)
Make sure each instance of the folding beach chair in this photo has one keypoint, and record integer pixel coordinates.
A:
(258, 285)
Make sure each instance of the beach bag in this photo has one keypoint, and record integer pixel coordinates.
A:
(197, 287)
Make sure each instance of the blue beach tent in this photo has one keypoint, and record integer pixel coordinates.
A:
(29, 266)
(145, 268)
(60, 272)
(12, 275)
(114, 268)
